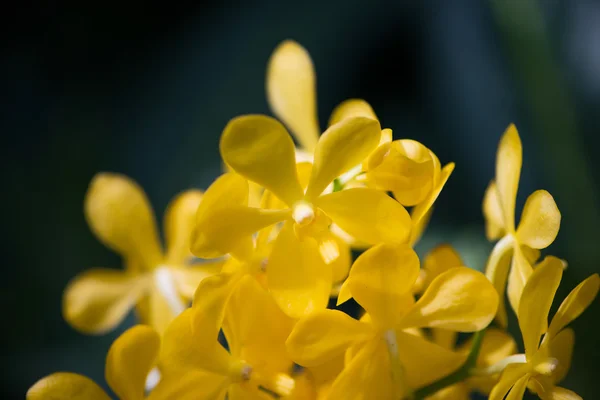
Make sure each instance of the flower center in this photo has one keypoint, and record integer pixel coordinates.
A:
(303, 213)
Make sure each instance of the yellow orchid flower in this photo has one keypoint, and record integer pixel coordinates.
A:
(544, 365)
(120, 215)
(260, 149)
(537, 229)
(381, 281)
(129, 360)
(255, 330)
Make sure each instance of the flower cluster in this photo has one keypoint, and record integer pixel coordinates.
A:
(265, 253)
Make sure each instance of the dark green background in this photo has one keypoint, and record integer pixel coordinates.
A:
(146, 90)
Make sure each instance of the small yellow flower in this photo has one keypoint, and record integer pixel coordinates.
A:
(260, 149)
(160, 283)
(544, 365)
(381, 281)
(129, 360)
(255, 330)
(537, 229)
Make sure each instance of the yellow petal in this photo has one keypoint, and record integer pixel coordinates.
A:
(418, 228)
(496, 271)
(291, 92)
(341, 265)
(66, 386)
(368, 215)
(458, 391)
(187, 279)
(192, 385)
(260, 149)
(559, 393)
(540, 221)
(323, 336)
(492, 211)
(444, 338)
(255, 327)
(511, 374)
(518, 390)
(421, 209)
(381, 280)
(97, 300)
(439, 260)
(210, 302)
(367, 376)
(351, 108)
(225, 229)
(180, 220)
(536, 301)
(130, 359)
(575, 303)
(184, 350)
(341, 147)
(520, 271)
(508, 171)
(119, 214)
(561, 348)
(245, 391)
(496, 346)
(405, 168)
(418, 355)
(298, 278)
(460, 299)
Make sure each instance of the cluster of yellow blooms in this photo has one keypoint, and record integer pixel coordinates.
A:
(272, 240)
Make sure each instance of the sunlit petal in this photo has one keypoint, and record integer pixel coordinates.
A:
(180, 219)
(260, 149)
(187, 279)
(323, 336)
(225, 229)
(520, 271)
(511, 374)
(518, 390)
(559, 393)
(561, 348)
(404, 167)
(492, 211)
(368, 215)
(298, 278)
(255, 327)
(291, 92)
(342, 147)
(130, 359)
(97, 300)
(421, 209)
(575, 303)
(508, 172)
(66, 386)
(367, 376)
(459, 299)
(381, 280)
(439, 260)
(184, 350)
(536, 301)
(120, 215)
(540, 220)
(351, 108)
(192, 385)
(496, 271)
(418, 355)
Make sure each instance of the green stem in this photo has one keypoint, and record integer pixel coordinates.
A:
(457, 376)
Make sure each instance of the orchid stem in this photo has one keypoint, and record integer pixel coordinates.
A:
(457, 376)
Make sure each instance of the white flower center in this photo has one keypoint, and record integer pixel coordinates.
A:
(303, 213)
(164, 282)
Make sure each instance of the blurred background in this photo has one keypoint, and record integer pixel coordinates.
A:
(145, 90)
